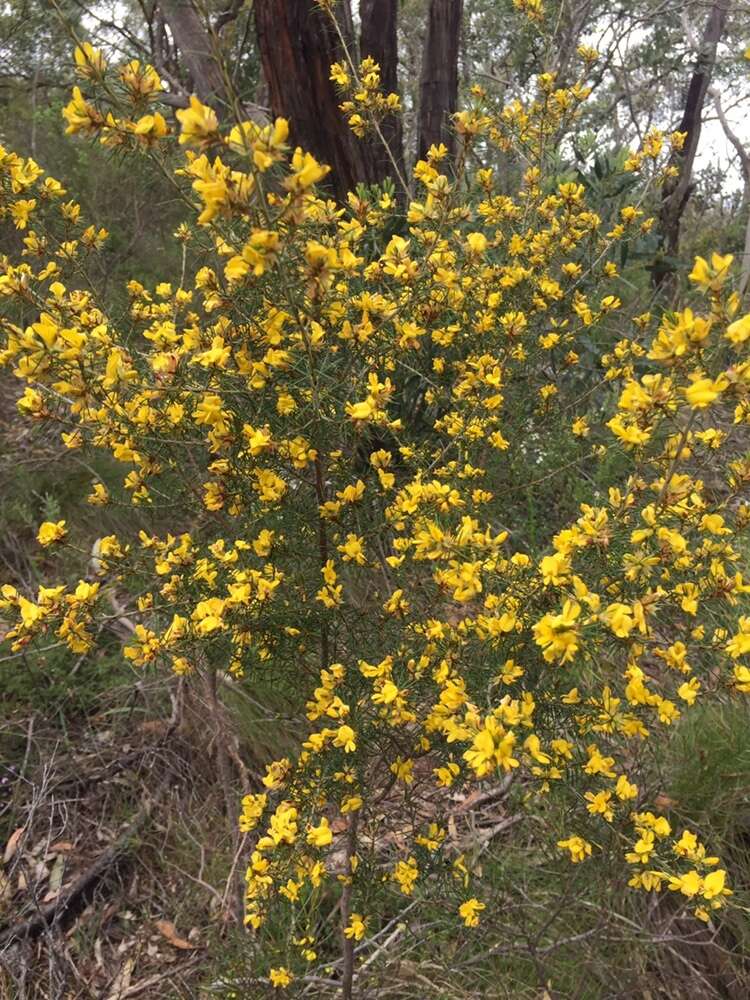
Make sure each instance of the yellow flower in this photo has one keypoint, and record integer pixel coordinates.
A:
(558, 635)
(579, 848)
(141, 81)
(739, 331)
(51, 531)
(90, 63)
(625, 789)
(689, 884)
(200, 126)
(151, 128)
(469, 912)
(306, 171)
(620, 619)
(598, 764)
(599, 804)
(689, 690)
(711, 276)
(581, 427)
(360, 411)
(476, 243)
(20, 211)
(321, 835)
(356, 927)
(704, 391)
(492, 747)
(714, 885)
(345, 738)
(81, 116)
(339, 75)
(351, 804)
(406, 874)
(280, 977)
(353, 550)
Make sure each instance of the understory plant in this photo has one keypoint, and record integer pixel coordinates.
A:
(336, 418)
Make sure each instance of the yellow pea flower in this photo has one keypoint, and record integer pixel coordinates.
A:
(51, 531)
(470, 910)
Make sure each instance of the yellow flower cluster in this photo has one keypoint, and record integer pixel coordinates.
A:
(365, 104)
(337, 419)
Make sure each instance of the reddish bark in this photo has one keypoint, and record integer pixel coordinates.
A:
(297, 44)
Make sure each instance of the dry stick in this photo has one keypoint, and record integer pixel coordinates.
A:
(400, 928)
(53, 913)
(675, 461)
(347, 943)
(233, 869)
(224, 755)
(144, 984)
(27, 753)
(363, 946)
(325, 656)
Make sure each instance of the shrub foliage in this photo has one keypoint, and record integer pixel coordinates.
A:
(337, 419)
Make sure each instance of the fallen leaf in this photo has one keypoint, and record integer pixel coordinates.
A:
(122, 980)
(168, 930)
(469, 800)
(663, 801)
(452, 829)
(40, 871)
(39, 848)
(12, 846)
(55, 879)
(62, 845)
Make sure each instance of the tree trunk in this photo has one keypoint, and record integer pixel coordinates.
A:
(194, 43)
(676, 190)
(378, 38)
(438, 84)
(297, 44)
(744, 157)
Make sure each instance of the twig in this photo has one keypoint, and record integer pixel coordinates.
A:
(145, 984)
(399, 930)
(347, 943)
(230, 878)
(55, 912)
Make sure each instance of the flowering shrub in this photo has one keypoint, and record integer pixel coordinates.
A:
(327, 417)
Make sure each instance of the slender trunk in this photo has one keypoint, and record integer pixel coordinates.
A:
(347, 943)
(34, 108)
(378, 38)
(744, 158)
(676, 190)
(297, 44)
(193, 40)
(438, 84)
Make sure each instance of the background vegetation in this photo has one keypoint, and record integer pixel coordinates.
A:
(101, 776)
